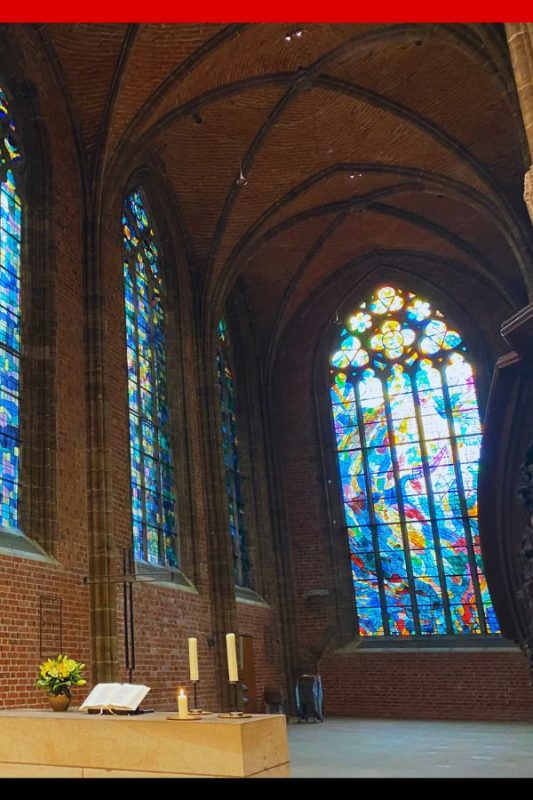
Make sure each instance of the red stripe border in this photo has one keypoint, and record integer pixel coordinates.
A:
(272, 11)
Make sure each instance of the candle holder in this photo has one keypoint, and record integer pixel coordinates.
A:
(197, 709)
(235, 685)
(236, 713)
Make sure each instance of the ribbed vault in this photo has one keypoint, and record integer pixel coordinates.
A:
(353, 139)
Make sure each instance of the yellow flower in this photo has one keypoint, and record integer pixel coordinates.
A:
(58, 675)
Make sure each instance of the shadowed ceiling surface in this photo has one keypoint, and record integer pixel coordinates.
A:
(353, 140)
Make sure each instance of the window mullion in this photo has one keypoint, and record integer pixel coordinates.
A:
(399, 498)
(432, 505)
(133, 277)
(155, 416)
(372, 513)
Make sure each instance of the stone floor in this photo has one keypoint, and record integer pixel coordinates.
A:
(364, 748)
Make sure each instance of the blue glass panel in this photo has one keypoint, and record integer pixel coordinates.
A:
(151, 461)
(350, 463)
(360, 538)
(389, 537)
(419, 534)
(401, 621)
(363, 565)
(356, 511)
(460, 588)
(428, 590)
(370, 620)
(10, 248)
(474, 531)
(493, 625)
(424, 562)
(402, 371)
(465, 618)
(432, 619)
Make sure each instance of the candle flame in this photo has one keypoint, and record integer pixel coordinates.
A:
(182, 693)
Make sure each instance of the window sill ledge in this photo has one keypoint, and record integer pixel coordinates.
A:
(245, 595)
(384, 647)
(15, 543)
(164, 577)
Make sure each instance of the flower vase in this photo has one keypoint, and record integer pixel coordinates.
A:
(59, 702)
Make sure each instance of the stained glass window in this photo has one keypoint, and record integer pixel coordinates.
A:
(230, 441)
(10, 243)
(153, 497)
(408, 438)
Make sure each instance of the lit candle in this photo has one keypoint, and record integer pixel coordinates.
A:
(183, 710)
(232, 658)
(193, 659)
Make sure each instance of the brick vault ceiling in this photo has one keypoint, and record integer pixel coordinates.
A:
(355, 140)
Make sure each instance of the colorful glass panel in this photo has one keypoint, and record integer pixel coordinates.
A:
(153, 497)
(230, 443)
(10, 310)
(408, 437)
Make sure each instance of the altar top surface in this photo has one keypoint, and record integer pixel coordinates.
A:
(148, 716)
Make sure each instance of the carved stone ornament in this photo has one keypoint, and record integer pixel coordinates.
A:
(528, 192)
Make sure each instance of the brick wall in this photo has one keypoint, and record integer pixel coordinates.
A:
(462, 685)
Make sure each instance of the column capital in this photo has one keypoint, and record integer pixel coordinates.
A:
(520, 42)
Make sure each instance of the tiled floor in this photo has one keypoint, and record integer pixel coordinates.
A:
(363, 748)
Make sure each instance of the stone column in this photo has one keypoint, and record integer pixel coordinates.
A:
(520, 41)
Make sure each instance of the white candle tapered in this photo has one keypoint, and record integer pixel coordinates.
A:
(183, 709)
(232, 658)
(193, 659)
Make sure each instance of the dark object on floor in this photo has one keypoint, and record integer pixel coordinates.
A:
(309, 698)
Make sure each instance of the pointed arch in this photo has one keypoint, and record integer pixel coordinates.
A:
(407, 437)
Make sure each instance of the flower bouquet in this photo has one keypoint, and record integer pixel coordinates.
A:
(59, 675)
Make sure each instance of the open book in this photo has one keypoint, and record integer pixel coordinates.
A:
(122, 696)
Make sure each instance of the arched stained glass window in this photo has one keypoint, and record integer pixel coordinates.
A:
(408, 438)
(152, 473)
(10, 310)
(241, 562)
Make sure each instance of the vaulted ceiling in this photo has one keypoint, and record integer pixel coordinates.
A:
(354, 141)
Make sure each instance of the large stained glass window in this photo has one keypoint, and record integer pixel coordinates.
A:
(230, 441)
(152, 474)
(10, 243)
(408, 438)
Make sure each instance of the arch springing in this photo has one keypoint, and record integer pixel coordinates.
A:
(153, 497)
(10, 316)
(408, 438)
